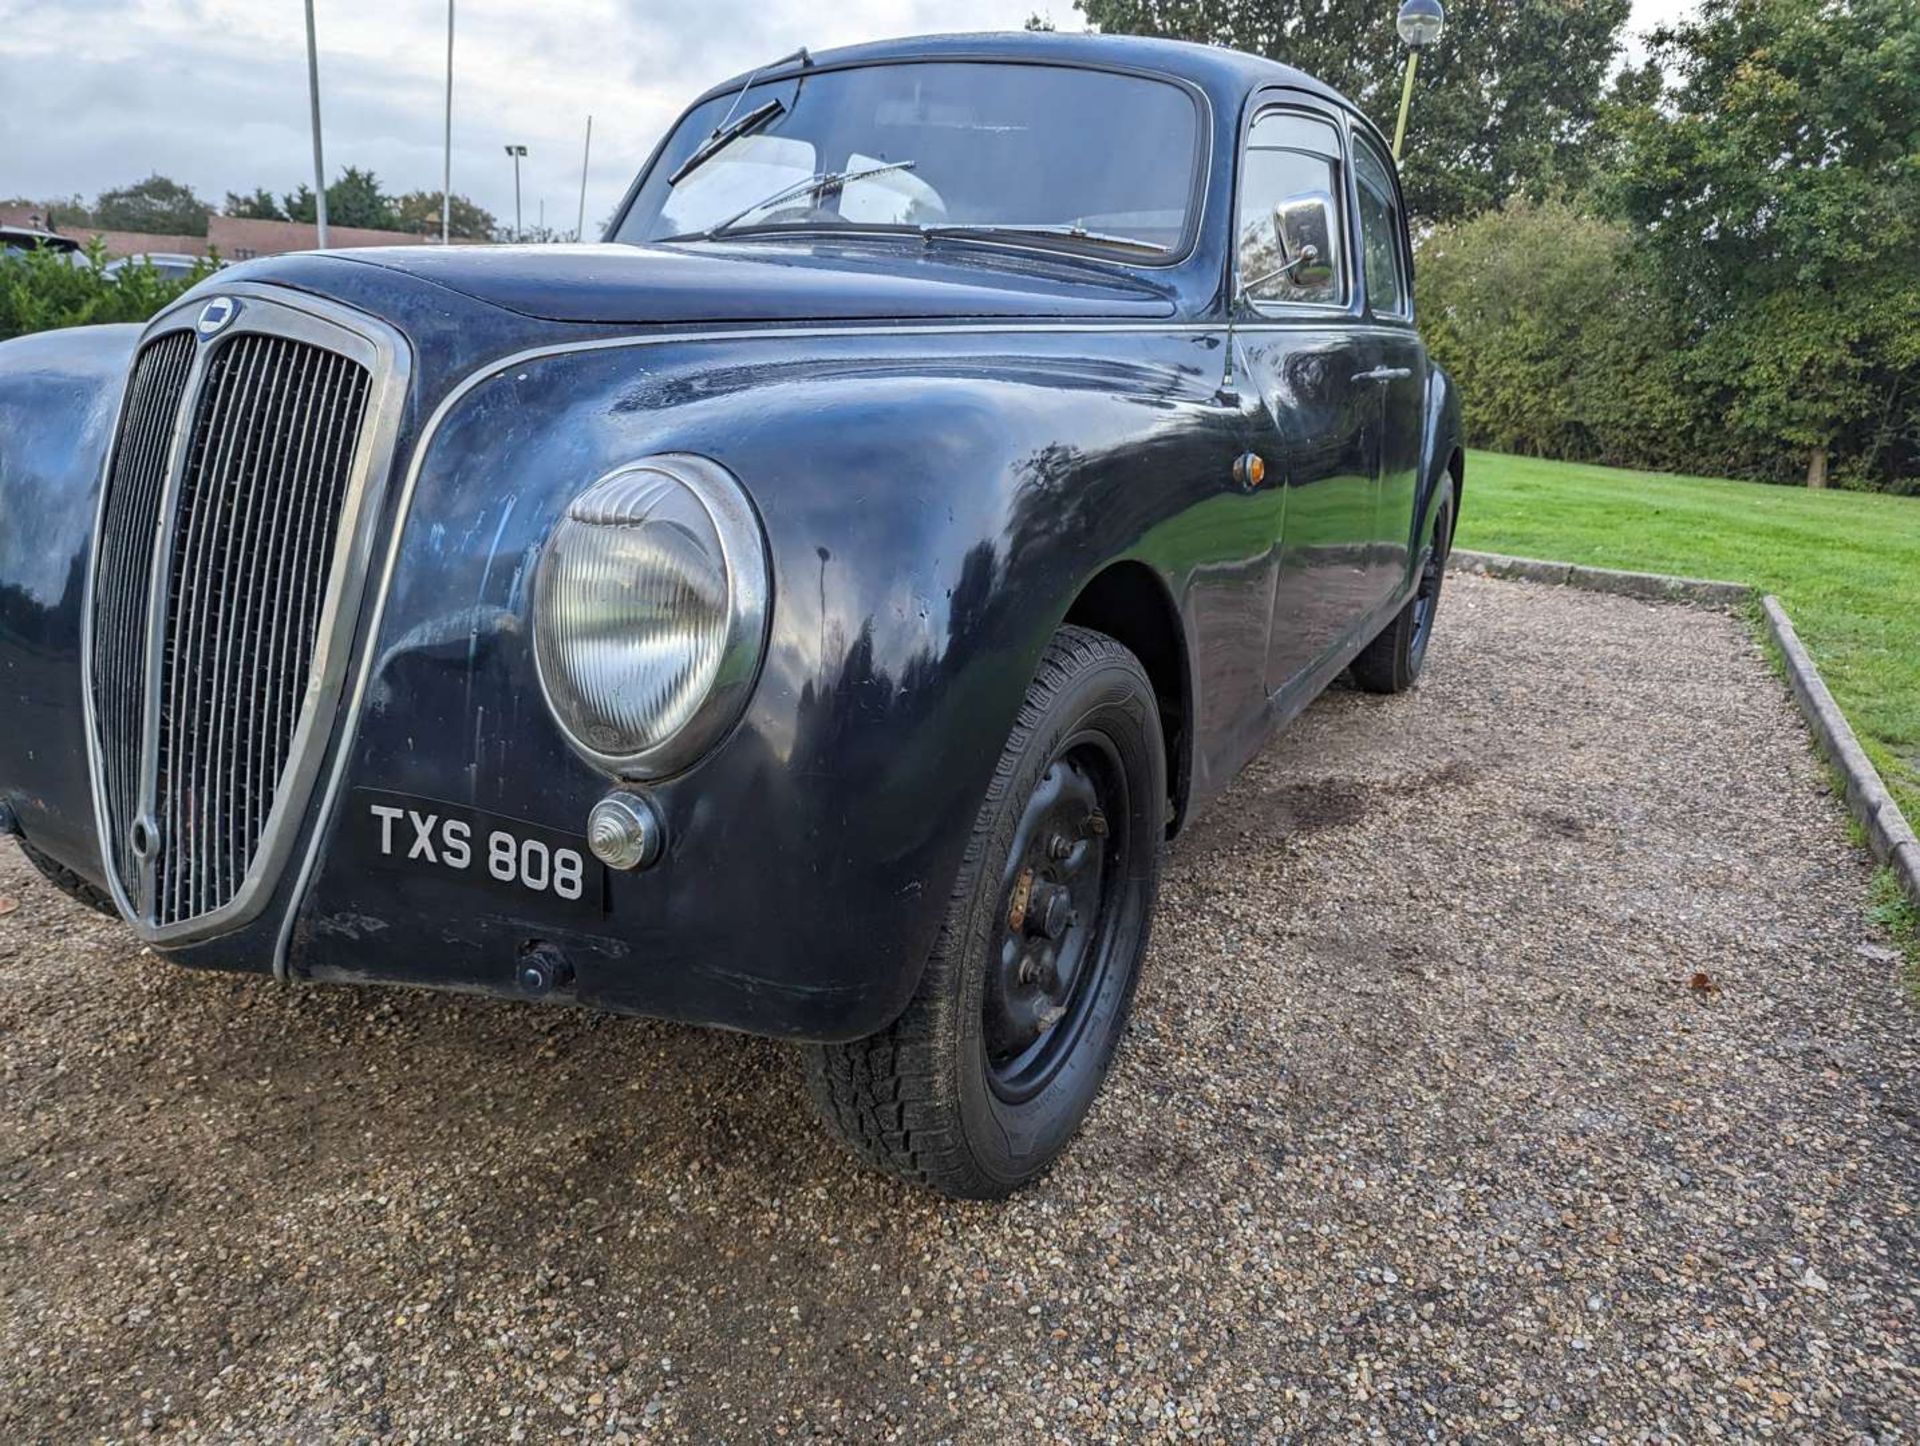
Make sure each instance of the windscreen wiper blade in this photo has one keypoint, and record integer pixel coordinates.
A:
(726, 136)
(808, 186)
(1073, 232)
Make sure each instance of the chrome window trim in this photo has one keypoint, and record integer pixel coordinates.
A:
(1203, 187)
(1285, 101)
(1402, 238)
(384, 352)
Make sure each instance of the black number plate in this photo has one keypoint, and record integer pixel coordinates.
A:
(395, 830)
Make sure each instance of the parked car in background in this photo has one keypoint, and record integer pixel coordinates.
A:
(16, 239)
(808, 613)
(168, 265)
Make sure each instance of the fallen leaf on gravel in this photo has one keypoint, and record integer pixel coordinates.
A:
(7, 906)
(1702, 983)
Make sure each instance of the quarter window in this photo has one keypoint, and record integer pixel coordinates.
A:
(1289, 229)
(1379, 231)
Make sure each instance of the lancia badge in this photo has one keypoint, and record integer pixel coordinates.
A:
(216, 314)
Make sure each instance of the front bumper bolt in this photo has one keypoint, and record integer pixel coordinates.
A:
(624, 831)
(542, 969)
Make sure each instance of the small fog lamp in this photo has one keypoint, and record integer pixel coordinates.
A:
(624, 832)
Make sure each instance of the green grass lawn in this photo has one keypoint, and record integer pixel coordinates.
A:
(1845, 564)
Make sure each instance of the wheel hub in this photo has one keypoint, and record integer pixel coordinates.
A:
(1047, 950)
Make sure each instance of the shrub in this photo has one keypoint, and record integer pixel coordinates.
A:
(41, 290)
(1564, 345)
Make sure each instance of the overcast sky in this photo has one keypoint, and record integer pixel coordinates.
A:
(97, 93)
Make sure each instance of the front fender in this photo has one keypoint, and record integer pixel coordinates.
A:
(928, 520)
(59, 392)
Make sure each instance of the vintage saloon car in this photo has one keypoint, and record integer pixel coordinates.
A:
(807, 612)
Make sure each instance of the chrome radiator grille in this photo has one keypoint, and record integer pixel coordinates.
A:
(125, 561)
(217, 602)
(259, 507)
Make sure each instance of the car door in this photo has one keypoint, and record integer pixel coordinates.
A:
(1394, 355)
(1297, 344)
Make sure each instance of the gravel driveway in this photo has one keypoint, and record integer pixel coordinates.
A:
(1513, 1060)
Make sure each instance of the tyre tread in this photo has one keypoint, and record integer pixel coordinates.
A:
(887, 1096)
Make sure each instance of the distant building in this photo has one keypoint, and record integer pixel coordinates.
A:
(237, 239)
(232, 237)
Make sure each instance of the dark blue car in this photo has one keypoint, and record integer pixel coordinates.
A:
(808, 612)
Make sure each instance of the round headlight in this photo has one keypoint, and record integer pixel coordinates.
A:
(650, 614)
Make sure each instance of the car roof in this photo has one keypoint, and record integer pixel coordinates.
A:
(50, 239)
(1218, 71)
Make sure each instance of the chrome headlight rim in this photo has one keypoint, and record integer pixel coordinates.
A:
(749, 588)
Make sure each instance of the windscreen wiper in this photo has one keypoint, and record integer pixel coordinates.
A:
(726, 136)
(1075, 232)
(808, 186)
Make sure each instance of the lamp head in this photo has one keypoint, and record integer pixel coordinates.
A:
(1420, 23)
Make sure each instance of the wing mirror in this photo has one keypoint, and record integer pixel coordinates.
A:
(1303, 232)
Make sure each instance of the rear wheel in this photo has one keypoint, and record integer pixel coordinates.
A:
(1391, 663)
(982, 1081)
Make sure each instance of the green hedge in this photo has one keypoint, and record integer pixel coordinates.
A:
(41, 290)
(1562, 347)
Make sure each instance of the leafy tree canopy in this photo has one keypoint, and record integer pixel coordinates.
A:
(1776, 183)
(1503, 104)
(419, 212)
(260, 206)
(59, 211)
(354, 200)
(155, 204)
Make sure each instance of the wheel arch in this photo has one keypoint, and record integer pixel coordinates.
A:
(1128, 601)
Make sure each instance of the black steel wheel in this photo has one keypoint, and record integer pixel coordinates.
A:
(1391, 663)
(68, 882)
(984, 1079)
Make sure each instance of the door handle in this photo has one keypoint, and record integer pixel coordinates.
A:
(1384, 374)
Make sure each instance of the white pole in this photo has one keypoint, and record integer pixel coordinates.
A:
(446, 165)
(580, 226)
(319, 164)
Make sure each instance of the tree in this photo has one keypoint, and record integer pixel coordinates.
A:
(1776, 183)
(260, 206)
(156, 204)
(1561, 347)
(419, 212)
(60, 211)
(354, 200)
(1502, 105)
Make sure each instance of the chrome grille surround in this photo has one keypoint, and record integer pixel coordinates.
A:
(217, 637)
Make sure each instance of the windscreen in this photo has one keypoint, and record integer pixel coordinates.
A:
(1097, 158)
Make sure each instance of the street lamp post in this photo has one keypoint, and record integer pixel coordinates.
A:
(586, 154)
(1420, 23)
(446, 154)
(319, 165)
(516, 152)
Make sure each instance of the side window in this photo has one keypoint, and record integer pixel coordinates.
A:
(1289, 228)
(1379, 231)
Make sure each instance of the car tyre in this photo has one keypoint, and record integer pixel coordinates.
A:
(1391, 663)
(981, 1082)
(73, 885)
